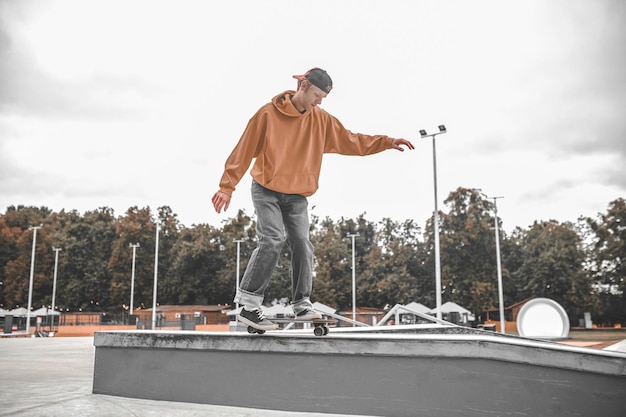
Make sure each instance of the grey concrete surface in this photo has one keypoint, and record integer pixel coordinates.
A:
(617, 347)
(435, 375)
(50, 377)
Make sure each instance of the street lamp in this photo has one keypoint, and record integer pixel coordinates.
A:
(442, 130)
(498, 263)
(132, 279)
(353, 236)
(238, 241)
(156, 268)
(54, 281)
(32, 274)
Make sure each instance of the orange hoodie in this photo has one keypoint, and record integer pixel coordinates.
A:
(288, 147)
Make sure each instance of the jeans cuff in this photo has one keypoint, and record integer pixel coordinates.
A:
(248, 299)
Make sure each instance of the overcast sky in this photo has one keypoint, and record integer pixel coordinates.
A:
(124, 103)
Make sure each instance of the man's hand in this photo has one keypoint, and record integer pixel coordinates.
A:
(398, 143)
(220, 200)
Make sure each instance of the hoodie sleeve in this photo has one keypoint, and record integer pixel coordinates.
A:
(249, 147)
(342, 141)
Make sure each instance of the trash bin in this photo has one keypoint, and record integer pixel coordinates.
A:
(454, 317)
(188, 325)
(187, 322)
(8, 324)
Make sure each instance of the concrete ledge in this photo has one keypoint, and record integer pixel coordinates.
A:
(359, 373)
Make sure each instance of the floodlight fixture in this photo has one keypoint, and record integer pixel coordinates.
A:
(442, 129)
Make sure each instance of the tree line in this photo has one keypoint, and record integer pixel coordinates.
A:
(578, 264)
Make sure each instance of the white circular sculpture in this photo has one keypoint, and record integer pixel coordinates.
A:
(543, 318)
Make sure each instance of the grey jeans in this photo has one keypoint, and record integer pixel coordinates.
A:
(280, 217)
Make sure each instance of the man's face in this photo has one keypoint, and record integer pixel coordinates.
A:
(312, 97)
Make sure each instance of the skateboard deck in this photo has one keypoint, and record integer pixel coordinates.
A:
(320, 326)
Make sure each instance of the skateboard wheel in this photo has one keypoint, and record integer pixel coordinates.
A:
(319, 331)
(325, 330)
(253, 330)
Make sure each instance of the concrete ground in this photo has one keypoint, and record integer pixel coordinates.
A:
(50, 377)
(617, 347)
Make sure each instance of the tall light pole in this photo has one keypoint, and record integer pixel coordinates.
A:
(238, 242)
(442, 130)
(353, 236)
(32, 275)
(156, 268)
(498, 263)
(132, 279)
(54, 281)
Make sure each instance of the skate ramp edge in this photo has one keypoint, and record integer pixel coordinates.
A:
(360, 373)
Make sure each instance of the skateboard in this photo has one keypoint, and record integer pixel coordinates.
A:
(320, 326)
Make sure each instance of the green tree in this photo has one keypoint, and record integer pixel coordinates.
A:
(87, 243)
(332, 274)
(198, 260)
(553, 267)
(608, 262)
(205, 260)
(136, 226)
(512, 260)
(15, 257)
(368, 261)
(394, 269)
(169, 229)
(468, 251)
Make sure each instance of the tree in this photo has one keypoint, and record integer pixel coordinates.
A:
(87, 243)
(169, 230)
(468, 251)
(197, 262)
(393, 271)
(608, 262)
(205, 261)
(580, 266)
(512, 260)
(136, 226)
(553, 267)
(15, 256)
(332, 282)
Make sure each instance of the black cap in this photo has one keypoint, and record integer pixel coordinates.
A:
(319, 78)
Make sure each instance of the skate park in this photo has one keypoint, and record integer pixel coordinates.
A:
(98, 121)
(437, 369)
(429, 369)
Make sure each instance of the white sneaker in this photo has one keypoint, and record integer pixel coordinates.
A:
(308, 315)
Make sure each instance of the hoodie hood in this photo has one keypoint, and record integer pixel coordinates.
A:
(282, 103)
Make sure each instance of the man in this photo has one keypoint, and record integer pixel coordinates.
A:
(287, 138)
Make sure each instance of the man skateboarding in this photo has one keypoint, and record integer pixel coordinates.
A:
(287, 138)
